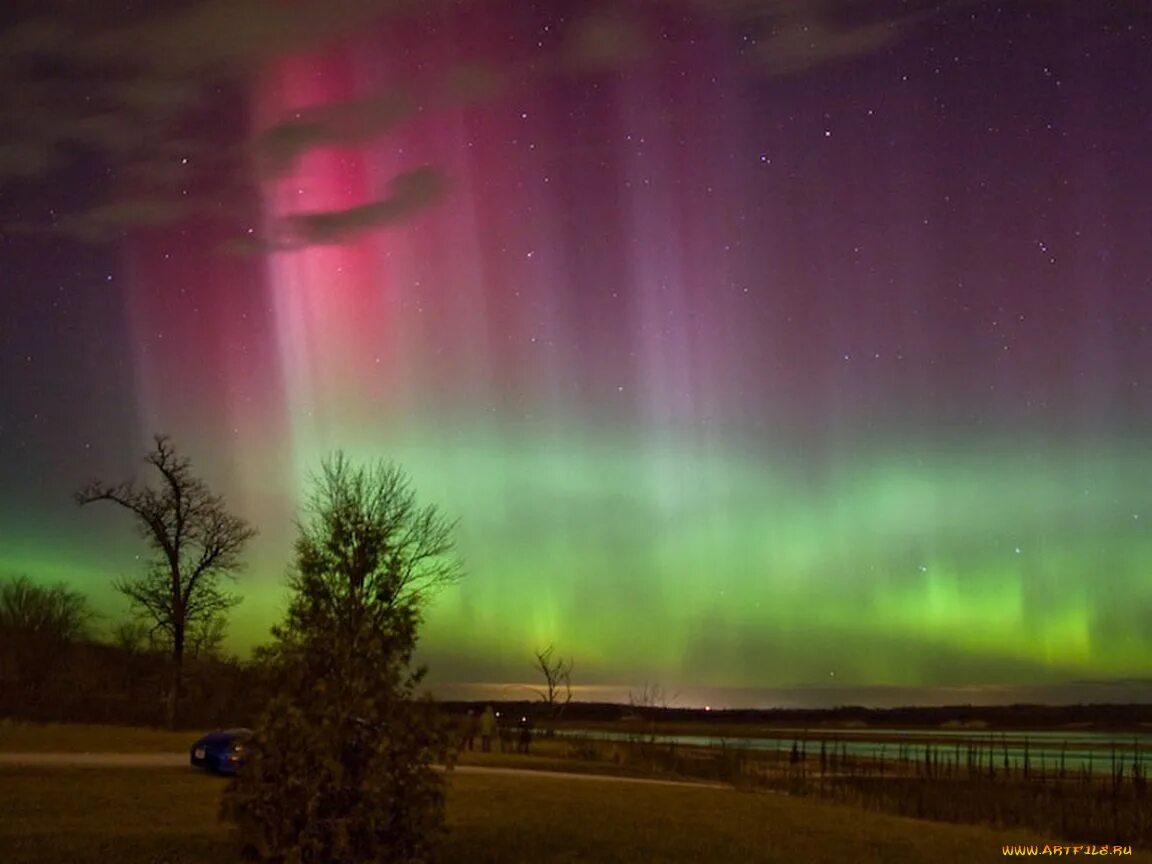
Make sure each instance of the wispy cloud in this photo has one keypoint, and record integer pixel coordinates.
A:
(77, 78)
(408, 193)
(280, 145)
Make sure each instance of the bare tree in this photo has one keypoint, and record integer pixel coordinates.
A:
(651, 701)
(133, 635)
(205, 638)
(197, 545)
(55, 612)
(557, 672)
(648, 706)
(38, 627)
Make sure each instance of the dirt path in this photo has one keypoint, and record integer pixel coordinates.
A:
(173, 760)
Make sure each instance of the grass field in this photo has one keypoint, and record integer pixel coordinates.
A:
(168, 816)
(17, 737)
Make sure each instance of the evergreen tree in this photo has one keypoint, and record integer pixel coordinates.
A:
(340, 769)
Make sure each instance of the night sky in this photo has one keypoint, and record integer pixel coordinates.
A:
(791, 357)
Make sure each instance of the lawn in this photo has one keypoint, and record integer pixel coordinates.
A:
(168, 816)
(164, 815)
(18, 737)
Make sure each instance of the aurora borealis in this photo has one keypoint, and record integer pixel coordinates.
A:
(740, 368)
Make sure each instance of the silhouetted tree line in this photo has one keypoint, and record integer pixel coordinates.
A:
(54, 668)
(995, 717)
(1018, 716)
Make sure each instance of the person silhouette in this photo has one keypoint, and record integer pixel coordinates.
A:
(487, 728)
(471, 727)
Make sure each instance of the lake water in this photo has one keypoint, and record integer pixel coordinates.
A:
(1044, 749)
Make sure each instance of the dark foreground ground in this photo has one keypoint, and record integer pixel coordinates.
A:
(161, 812)
(168, 816)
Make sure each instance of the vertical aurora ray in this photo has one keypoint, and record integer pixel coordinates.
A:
(713, 376)
(333, 323)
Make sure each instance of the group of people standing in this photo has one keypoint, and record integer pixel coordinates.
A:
(488, 726)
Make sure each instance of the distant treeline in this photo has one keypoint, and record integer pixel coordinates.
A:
(977, 716)
(55, 668)
(993, 716)
(89, 682)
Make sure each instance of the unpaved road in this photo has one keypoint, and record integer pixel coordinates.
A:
(173, 760)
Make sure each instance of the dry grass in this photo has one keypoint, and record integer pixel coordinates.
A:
(169, 817)
(510, 819)
(941, 786)
(18, 737)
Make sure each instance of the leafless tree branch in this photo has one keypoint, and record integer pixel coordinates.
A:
(197, 542)
(557, 672)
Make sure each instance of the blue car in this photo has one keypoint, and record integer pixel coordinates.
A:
(221, 752)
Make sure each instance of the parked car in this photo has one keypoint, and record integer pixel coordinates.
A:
(222, 751)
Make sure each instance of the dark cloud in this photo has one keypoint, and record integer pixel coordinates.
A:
(799, 44)
(470, 83)
(113, 219)
(408, 193)
(123, 83)
(793, 36)
(24, 159)
(605, 39)
(214, 38)
(281, 145)
(123, 87)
